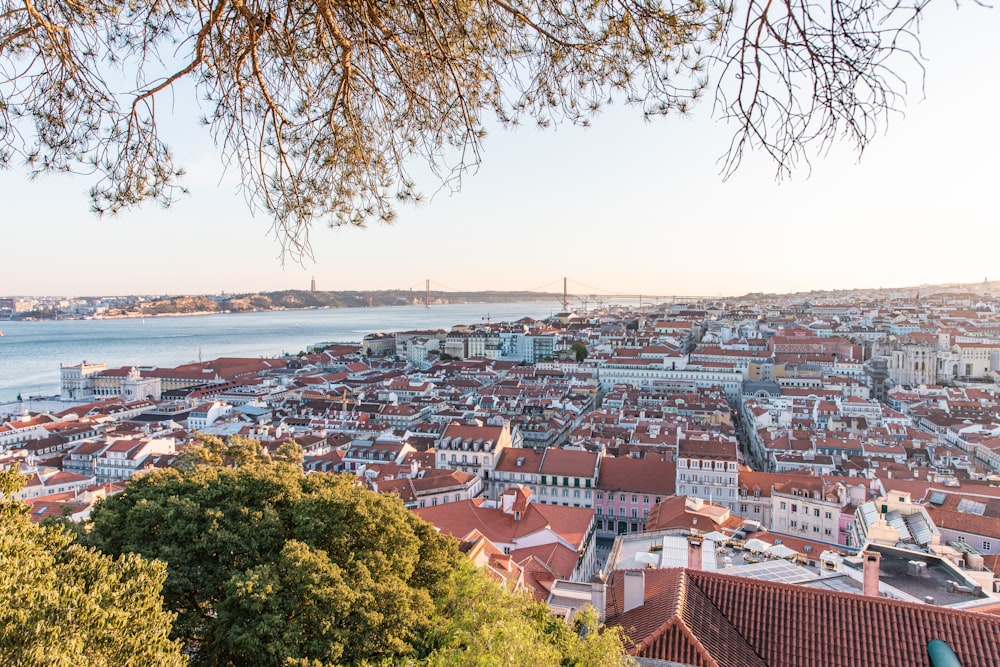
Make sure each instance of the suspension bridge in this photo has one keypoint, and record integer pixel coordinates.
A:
(581, 294)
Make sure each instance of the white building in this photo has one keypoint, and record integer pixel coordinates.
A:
(77, 383)
(709, 469)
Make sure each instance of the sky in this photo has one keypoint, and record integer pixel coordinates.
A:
(622, 207)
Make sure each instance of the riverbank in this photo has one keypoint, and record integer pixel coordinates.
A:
(289, 300)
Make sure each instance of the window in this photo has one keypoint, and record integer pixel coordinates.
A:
(828, 532)
(621, 498)
(565, 493)
(635, 513)
(795, 507)
(744, 509)
(600, 495)
(829, 515)
(576, 493)
(565, 481)
(815, 512)
(600, 511)
(781, 505)
(465, 458)
(635, 499)
(543, 492)
(621, 512)
(794, 523)
(586, 494)
(987, 546)
(815, 529)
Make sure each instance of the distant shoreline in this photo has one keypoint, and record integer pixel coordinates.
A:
(293, 300)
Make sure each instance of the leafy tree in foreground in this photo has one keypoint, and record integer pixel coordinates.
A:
(322, 104)
(64, 604)
(267, 566)
(266, 563)
(481, 623)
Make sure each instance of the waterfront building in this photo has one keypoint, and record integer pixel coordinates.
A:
(77, 381)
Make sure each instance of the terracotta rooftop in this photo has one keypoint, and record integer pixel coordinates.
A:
(707, 618)
(458, 519)
(572, 463)
(655, 475)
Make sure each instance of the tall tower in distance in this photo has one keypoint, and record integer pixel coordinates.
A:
(312, 285)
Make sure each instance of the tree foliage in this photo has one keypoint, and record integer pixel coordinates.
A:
(268, 566)
(322, 105)
(64, 604)
(482, 624)
(265, 563)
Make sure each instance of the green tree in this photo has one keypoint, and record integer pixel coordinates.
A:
(265, 563)
(64, 604)
(481, 623)
(323, 104)
(580, 350)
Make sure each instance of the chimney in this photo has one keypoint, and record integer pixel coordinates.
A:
(694, 551)
(635, 589)
(599, 594)
(871, 560)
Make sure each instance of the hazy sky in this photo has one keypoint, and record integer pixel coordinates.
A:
(624, 206)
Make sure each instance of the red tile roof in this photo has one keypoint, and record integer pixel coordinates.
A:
(707, 618)
(654, 475)
(572, 463)
(458, 519)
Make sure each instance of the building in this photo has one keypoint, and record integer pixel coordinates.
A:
(709, 469)
(808, 507)
(628, 488)
(523, 528)
(692, 617)
(668, 372)
(556, 476)
(473, 448)
(77, 381)
(431, 487)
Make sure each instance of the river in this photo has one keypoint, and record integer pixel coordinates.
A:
(31, 352)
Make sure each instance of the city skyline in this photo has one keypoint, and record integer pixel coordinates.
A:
(625, 206)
